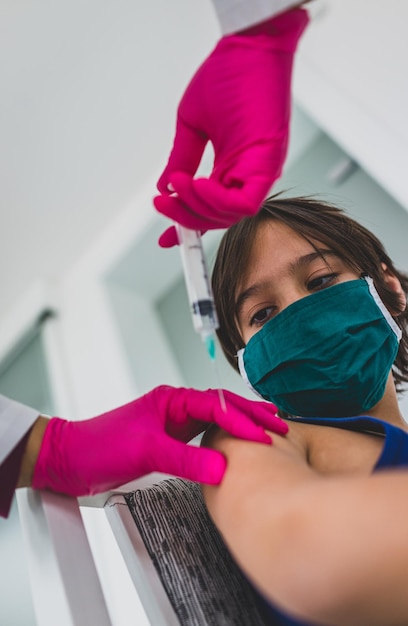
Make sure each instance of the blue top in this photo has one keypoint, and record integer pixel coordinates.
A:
(394, 454)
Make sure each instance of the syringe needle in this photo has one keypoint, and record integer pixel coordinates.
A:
(217, 378)
(222, 399)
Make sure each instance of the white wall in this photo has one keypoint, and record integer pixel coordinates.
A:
(88, 97)
(351, 79)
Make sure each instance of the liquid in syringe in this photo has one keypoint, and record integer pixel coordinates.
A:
(202, 306)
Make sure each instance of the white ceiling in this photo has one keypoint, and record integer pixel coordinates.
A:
(88, 93)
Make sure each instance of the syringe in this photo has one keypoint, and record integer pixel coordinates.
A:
(198, 286)
(199, 292)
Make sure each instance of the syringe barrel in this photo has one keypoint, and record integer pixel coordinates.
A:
(197, 280)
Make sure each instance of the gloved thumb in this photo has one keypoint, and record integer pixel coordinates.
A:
(188, 148)
(169, 238)
(191, 462)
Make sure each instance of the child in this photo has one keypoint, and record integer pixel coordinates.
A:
(313, 313)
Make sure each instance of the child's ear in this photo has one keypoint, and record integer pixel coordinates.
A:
(394, 284)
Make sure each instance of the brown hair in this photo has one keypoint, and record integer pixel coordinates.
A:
(312, 219)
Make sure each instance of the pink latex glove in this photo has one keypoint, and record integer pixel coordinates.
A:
(240, 100)
(147, 435)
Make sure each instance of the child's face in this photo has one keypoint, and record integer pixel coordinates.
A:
(283, 268)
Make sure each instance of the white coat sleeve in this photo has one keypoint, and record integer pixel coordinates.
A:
(235, 15)
(15, 421)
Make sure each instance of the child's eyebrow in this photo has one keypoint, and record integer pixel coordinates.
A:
(302, 261)
(248, 293)
(306, 259)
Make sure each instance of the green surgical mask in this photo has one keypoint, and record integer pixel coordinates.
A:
(326, 355)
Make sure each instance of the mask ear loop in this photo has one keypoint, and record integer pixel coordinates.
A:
(240, 356)
(376, 297)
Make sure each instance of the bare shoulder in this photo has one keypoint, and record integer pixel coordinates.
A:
(253, 468)
(325, 450)
(293, 445)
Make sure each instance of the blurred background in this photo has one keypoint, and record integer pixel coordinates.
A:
(92, 311)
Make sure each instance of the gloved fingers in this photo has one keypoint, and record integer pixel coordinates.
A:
(179, 211)
(188, 410)
(261, 413)
(245, 421)
(188, 148)
(203, 204)
(238, 189)
(228, 205)
(257, 167)
(270, 421)
(205, 199)
(186, 461)
(236, 421)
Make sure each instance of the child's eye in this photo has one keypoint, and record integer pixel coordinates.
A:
(322, 282)
(262, 316)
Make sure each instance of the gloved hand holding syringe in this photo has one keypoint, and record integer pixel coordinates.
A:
(199, 292)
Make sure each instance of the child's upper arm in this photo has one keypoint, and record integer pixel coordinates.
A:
(325, 549)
